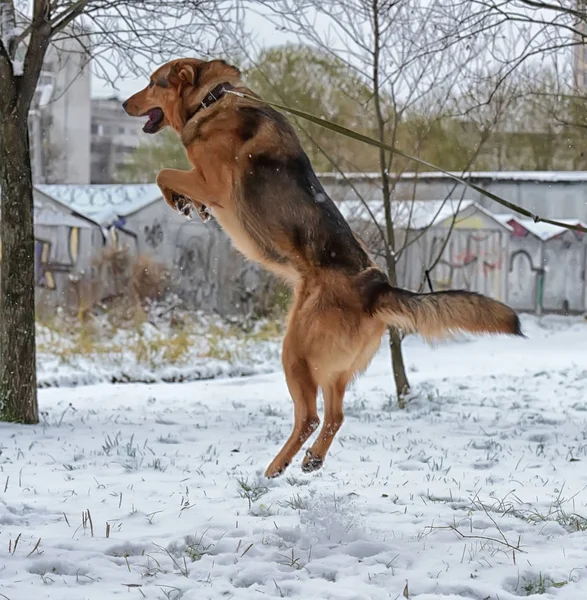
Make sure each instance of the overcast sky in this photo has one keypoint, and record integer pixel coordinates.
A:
(265, 35)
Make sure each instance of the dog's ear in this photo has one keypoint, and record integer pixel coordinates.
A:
(188, 74)
(182, 74)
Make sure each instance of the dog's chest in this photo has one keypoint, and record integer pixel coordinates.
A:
(240, 237)
(256, 246)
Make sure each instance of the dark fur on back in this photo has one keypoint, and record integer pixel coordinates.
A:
(284, 194)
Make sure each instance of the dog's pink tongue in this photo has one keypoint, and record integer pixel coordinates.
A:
(150, 121)
(155, 117)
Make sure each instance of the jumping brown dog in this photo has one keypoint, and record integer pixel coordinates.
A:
(252, 175)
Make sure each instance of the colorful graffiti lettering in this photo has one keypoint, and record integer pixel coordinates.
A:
(481, 256)
(491, 258)
(45, 269)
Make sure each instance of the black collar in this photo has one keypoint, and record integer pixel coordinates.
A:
(214, 95)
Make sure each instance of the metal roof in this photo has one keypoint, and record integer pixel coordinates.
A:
(543, 231)
(538, 176)
(416, 214)
(55, 219)
(103, 203)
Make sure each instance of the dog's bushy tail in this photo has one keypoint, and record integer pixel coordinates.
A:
(436, 315)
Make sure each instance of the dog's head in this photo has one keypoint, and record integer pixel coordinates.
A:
(175, 91)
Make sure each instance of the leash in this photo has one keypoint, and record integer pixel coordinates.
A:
(373, 142)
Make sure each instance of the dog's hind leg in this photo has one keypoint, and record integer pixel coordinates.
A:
(303, 390)
(333, 418)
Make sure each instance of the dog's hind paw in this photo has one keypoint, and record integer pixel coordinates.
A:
(275, 470)
(311, 462)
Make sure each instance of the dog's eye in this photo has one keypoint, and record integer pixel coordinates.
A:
(151, 83)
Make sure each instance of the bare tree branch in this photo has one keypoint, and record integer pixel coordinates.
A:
(580, 14)
(35, 55)
(7, 27)
(7, 48)
(62, 20)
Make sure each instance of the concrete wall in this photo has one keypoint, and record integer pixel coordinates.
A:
(208, 272)
(555, 196)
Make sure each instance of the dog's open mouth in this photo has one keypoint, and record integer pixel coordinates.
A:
(156, 117)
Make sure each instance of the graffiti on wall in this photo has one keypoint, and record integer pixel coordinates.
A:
(154, 236)
(213, 274)
(489, 259)
(45, 268)
(195, 258)
(468, 260)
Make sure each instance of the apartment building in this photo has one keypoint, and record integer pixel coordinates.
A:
(580, 50)
(114, 136)
(60, 116)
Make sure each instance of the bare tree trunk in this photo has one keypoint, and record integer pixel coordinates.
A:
(18, 372)
(397, 360)
(113, 29)
(18, 382)
(402, 384)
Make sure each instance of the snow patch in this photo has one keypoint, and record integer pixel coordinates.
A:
(120, 511)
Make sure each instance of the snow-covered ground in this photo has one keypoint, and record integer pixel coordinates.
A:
(477, 490)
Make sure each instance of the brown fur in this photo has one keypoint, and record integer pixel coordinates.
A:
(251, 173)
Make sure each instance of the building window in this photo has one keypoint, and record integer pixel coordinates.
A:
(45, 79)
(121, 130)
(124, 150)
(94, 128)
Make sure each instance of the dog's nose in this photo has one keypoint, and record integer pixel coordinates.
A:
(124, 104)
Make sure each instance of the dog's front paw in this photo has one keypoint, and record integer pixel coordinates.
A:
(204, 213)
(183, 205)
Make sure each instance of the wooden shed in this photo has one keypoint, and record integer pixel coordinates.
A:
(548, 266)
(458, 242)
